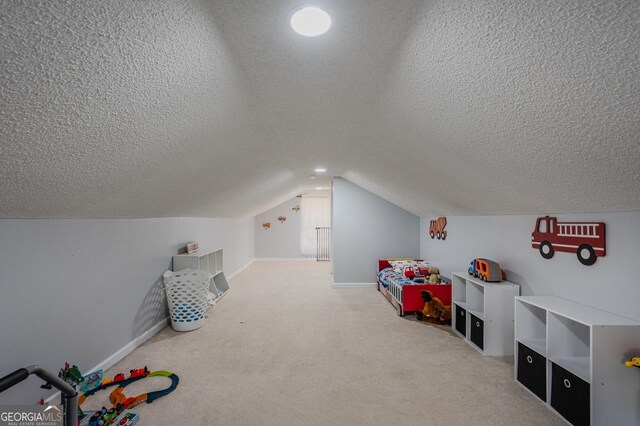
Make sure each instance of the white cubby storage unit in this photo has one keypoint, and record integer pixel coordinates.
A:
(206, 260)
(571, 356)
(482, 313)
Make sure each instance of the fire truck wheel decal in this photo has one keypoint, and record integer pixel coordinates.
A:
(432, 235)
(438, 235)
(591, 255)
(444, 235)
(546, 250)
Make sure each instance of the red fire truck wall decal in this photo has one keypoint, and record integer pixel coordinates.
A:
(281, 219)
(586, 239)
(266, 225)
(436, 228)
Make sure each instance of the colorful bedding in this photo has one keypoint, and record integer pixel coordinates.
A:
(388, 274)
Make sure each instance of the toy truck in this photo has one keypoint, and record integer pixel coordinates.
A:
(586, 239)
(487, 270)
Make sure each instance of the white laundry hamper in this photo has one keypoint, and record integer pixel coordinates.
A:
(187, 292)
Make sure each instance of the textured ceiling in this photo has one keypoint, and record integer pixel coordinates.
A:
(217, 109)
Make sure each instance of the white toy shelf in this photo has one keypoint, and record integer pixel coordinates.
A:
(206, 260)
(571, 356)
(482, 313)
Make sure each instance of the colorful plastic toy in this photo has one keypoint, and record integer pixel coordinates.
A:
(71, 375)
(127, 418)
(487, 270)
(586, 239)
(90, 381)
(633, 362)
(118, 398)
(103, 417)
(121, 410)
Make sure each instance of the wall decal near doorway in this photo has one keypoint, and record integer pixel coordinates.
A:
(266, 225)
(586, 239)
(282, 219)
(296, 208)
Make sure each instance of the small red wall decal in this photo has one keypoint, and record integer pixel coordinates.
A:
(436, 228)
(282, 218)
(266, 225)
(586, 239)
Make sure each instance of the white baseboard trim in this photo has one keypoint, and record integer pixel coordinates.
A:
(242, 268)
(122, 352)
(353, 285)
(285, 259)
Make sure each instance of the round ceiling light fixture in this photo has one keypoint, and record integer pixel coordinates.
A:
(310, 21)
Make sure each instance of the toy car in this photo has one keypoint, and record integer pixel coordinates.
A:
(487, 270)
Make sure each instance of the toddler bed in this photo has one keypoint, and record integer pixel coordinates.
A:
(403, 293)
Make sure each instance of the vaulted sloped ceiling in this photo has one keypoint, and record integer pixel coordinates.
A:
(217, 109)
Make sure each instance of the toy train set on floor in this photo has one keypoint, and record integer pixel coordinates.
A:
(121, 413)
(75, 388)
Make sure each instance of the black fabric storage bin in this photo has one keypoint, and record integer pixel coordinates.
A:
(477, 331)
(570, 396)
(461, 320)
(532, 371)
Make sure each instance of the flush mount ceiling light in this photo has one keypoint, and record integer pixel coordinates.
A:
(310, 21)
(320, 170)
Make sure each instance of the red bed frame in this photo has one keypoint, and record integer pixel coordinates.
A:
(410, 299)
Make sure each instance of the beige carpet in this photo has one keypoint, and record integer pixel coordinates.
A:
(285, 348)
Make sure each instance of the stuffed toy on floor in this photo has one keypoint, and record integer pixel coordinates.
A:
(434, 310)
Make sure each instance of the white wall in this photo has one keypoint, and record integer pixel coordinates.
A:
(282, 240)
(611, 284)
(367, 228)
(80, 290)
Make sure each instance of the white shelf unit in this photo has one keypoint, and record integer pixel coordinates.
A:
(483, 314)
(580, 350)
(207, 260)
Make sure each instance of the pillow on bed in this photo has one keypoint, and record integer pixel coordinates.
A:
(399, 265)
